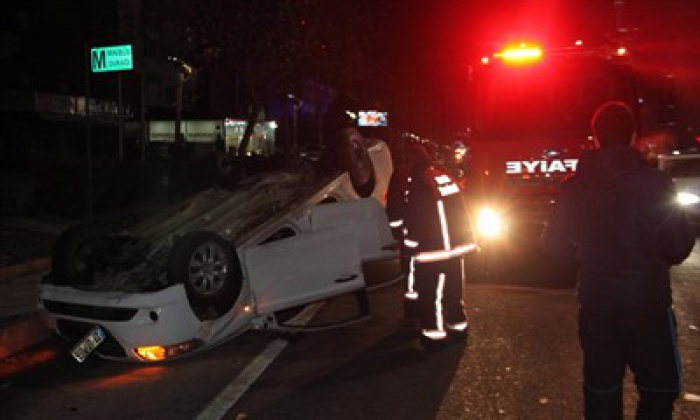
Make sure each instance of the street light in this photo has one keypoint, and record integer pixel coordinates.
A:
(184, 74)
(298, 103)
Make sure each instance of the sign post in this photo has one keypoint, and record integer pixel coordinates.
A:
(114, 58)
(88, 135)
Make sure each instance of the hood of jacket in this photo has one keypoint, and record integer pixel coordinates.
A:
(601, 167)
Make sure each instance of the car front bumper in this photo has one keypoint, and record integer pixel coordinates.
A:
(134, 320)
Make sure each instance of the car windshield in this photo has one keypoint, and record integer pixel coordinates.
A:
(557, 96)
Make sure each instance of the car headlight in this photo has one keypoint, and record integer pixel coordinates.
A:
(489, 223)
(686, 199)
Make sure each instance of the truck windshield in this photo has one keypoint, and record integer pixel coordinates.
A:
(684, 166)
(555, 97)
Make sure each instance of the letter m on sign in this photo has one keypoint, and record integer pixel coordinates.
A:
(98, 59)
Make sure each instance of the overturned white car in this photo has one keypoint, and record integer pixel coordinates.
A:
(220, 263)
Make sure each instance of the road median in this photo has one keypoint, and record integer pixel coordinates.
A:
(20, 325)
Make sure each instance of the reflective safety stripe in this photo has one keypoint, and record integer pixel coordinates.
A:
(460, 326)
(409, 243)
(432, 256)
(411, 292)
(439, 321)
(396, 223)
(446, 186)
(434, 334)
(443, 225)
(448, 189)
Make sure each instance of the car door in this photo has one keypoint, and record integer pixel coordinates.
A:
(304, 268)
(369, 220)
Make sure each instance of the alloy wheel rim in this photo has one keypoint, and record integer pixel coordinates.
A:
(208, 269)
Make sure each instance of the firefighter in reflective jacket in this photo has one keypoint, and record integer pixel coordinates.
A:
(437, 234)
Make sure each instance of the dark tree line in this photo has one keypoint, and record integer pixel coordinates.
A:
(271, 45)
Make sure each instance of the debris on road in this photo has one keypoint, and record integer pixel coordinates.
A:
(691, 397)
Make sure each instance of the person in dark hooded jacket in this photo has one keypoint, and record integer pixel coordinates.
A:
(409, 157)
(617, 218)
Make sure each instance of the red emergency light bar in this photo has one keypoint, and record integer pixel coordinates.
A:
(521, 54)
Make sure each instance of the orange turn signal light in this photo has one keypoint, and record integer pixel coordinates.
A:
(151, 353)
(160, 353)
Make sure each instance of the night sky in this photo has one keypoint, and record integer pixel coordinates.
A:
(428, 44)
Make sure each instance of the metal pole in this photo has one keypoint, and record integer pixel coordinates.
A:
(144, 137)
(295, 134)
(88, 128)
(319, 117)
(619, 6)
(121, 119)
(178, 104)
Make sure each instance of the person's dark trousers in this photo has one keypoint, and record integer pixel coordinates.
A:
(615, 336)
(439, 287)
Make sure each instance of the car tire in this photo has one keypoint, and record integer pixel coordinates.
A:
(208, 267)
(353, 157)
(77, 254)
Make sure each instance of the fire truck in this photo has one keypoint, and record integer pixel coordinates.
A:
(529, 109)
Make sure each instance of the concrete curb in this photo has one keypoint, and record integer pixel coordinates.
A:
(22, 334)
(17, 270)
(25, 329)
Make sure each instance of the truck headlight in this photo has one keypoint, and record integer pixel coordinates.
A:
(686, 199)
(489, 223)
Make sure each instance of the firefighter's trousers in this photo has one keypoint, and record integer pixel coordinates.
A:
(614, 337)
(438, 286)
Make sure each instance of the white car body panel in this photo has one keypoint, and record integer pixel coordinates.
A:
(304, 268)
(176, 322)
(367, 217)
(382, 163)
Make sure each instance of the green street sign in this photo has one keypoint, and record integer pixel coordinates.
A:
(112, 58)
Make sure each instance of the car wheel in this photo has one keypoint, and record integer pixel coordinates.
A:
(354, 158)
(208, 267)
(77, 254)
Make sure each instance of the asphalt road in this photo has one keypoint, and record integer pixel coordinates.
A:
(521, 361)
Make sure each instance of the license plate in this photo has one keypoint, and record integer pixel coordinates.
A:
(88, 343)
